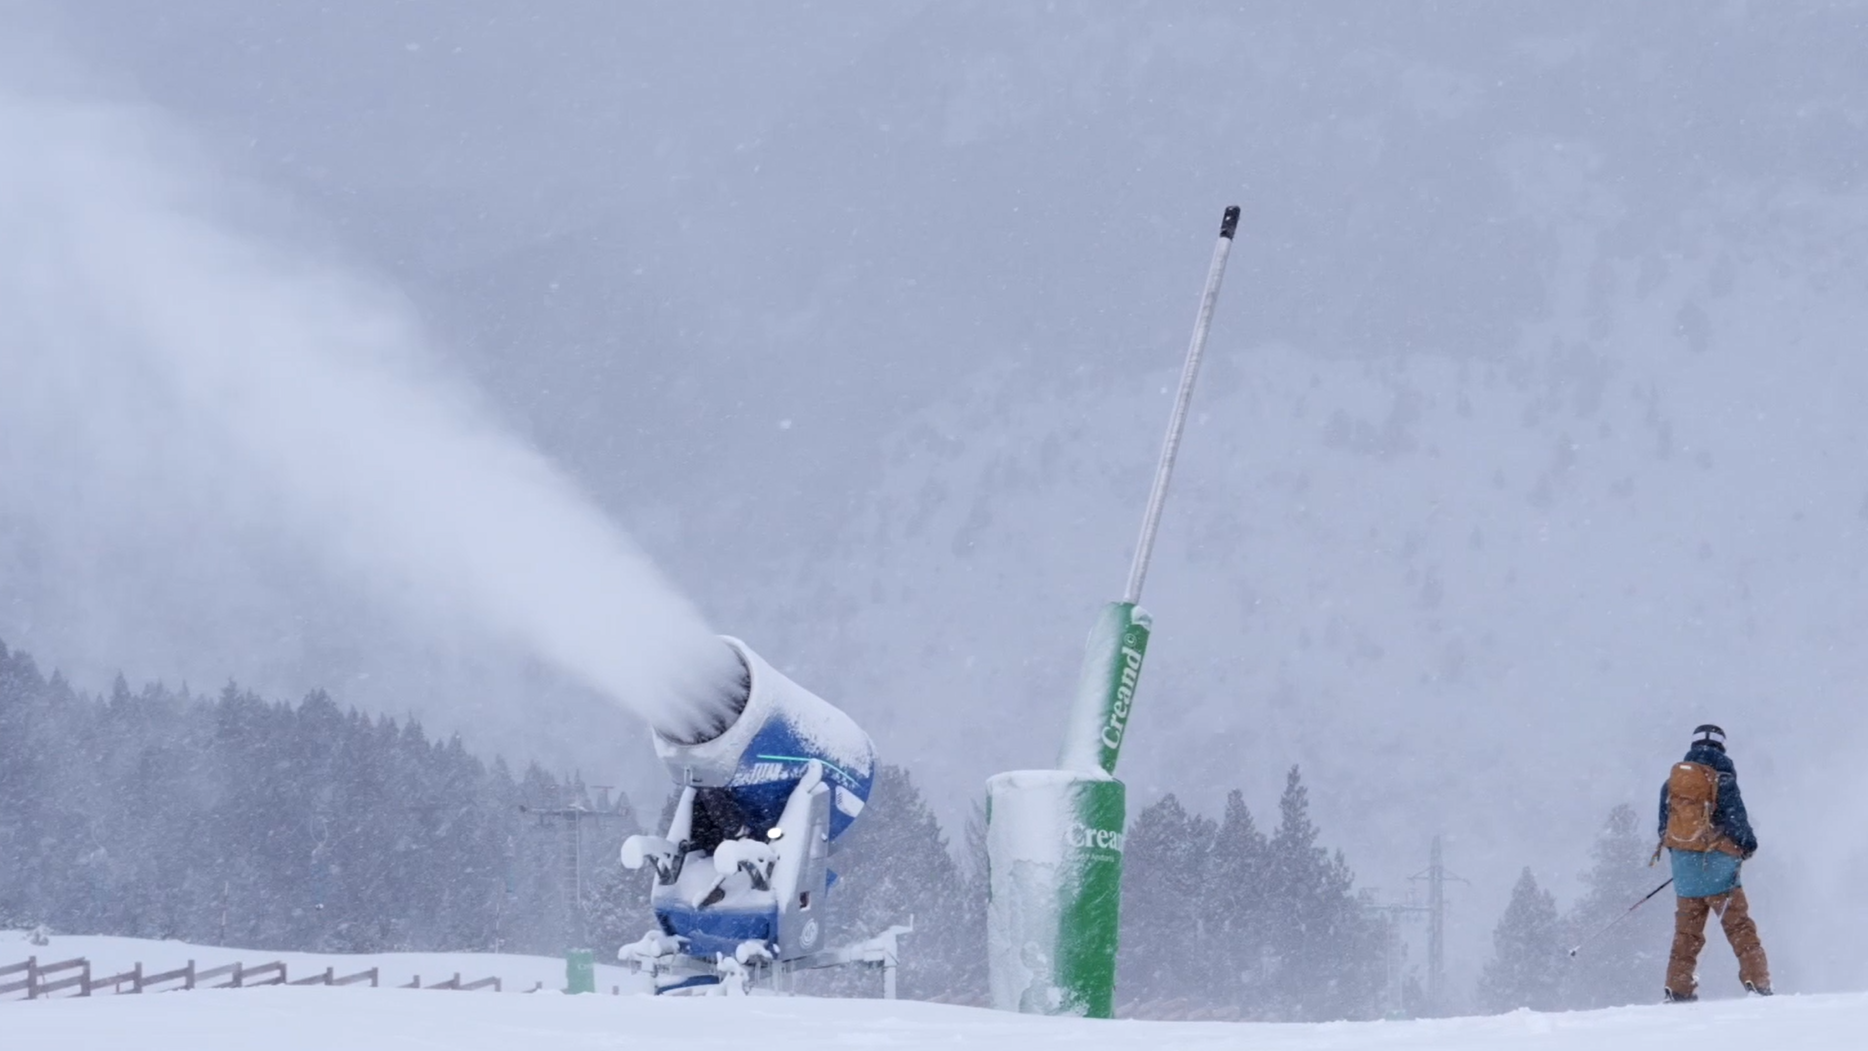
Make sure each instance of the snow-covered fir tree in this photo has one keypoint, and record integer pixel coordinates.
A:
(1326, 952)
(1527, 965)
(235, 820)
(1628, 963)
(1236, 901)
(1161, 958)
(1220, 921)
(894, 867)
(616, 909)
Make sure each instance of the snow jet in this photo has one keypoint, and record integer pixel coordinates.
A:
(164, 335)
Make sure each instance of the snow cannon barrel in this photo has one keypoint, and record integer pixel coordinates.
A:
(778, 728)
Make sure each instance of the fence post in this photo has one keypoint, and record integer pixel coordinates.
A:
(136, 978)
(32, 977)
(189, 978)
(373, 977)
(237, 976)
(329, 973)
(84, 977)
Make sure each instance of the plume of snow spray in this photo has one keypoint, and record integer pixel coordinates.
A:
(299, 397)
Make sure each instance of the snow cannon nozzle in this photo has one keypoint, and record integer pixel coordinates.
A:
(719, 711)
(762, 745)
(1230, 222)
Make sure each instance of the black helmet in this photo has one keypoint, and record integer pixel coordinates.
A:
(1707, 733)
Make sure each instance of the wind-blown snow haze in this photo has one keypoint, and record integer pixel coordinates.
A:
(172, 350)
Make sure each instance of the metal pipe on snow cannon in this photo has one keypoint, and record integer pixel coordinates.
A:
(1054, 838)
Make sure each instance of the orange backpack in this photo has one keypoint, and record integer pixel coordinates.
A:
(1692, 793)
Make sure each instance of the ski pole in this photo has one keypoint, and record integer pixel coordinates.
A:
(1604, 929)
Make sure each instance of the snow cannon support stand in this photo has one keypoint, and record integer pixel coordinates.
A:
(742, 875)
(1054, 838)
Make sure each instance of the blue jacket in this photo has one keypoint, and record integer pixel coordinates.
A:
(1728, 815)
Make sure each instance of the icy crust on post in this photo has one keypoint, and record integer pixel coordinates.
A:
(1027, 813)
(1055, 839)
(766, 750)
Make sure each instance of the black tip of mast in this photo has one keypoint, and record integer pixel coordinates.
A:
(1229, 223)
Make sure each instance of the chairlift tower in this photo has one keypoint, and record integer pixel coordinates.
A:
(1436, 878)
(1394, 978)
(570, 819)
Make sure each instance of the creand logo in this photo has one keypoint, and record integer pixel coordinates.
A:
(1083, 837)
(1125, 697)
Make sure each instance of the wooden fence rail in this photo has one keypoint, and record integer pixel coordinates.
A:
(30, 966)
(238, 975)
(212, 973)
(185, 975)
(353, 979)
(134, 976)
(265, 974)
(81, 981)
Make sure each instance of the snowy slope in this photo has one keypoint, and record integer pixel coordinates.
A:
(317, 1018)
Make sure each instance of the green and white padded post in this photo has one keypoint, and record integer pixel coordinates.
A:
(1054, 837)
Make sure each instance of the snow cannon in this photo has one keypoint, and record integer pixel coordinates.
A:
(741, 873)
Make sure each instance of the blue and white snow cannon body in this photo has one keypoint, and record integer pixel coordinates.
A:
(742, 872)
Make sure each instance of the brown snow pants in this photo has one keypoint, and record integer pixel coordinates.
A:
(1689, 937)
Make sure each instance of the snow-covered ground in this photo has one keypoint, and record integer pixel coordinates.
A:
(316, 1019)
(359, 1019)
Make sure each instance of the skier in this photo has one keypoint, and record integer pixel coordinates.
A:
(1704, 827)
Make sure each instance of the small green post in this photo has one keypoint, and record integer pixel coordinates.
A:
(580, 971)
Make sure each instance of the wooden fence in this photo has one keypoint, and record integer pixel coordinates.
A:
(455, 983)
(45, 979)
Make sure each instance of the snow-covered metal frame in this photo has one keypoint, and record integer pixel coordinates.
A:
(735, 909)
